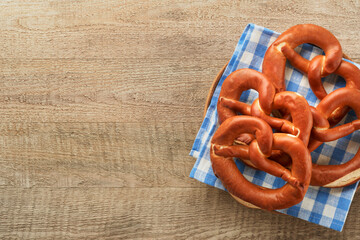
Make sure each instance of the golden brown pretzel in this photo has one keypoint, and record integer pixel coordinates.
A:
(241, 189)
(349, 172)
(238, 82)
(229, 105)
(274, 60)
(313, 69)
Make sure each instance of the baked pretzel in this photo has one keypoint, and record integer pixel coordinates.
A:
(349, 172)
(238, 82)
(222, 152)
(228, 106)
(274, 60)
(314, 71)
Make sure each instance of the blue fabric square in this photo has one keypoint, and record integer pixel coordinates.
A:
(292, 86)
(344, 203)
(338, 153)
(294, 210)
(260, 50)
(340, 214)
(310, 97)
(315, 217)
(337, 225)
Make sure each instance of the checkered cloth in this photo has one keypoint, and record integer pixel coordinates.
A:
(324, 206)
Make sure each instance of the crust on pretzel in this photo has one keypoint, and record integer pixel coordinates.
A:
(345, 180)
(246, 204)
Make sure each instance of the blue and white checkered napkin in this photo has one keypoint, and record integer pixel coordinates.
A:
(324, 206)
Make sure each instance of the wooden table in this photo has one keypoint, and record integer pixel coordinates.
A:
(100, 104)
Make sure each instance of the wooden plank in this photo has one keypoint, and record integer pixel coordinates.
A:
(97, 154)
(69, 90)
(147, 29)
(150, 213)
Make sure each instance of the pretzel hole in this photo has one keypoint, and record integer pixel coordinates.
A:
(276, 113)
(260, 178)
(244, 139)
(249, 96)
(332, 82)
(282, 158)
(307, 51)
(281, 114)
(341, 150)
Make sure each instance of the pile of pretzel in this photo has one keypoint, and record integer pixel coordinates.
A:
(246, 131)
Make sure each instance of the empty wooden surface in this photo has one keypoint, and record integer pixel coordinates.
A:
(101, 101)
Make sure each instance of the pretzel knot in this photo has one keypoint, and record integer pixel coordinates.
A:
(222, 152)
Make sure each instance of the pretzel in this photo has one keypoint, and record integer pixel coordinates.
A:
(313, 69)
(274, 60)
(228, 105)
(238, 82)
(222, 151)
(349, 172)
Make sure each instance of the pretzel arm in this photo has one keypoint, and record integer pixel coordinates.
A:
(238, 151)
(331, 134)
(269, 166)
(233, 87)
(333, 176)
(238, 106)
(296, 60)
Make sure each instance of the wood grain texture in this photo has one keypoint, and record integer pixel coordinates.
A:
(101, 101)
(103, 90)
(151, 213)
(96, 155)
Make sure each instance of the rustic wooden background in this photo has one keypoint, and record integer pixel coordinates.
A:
(100, 103)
